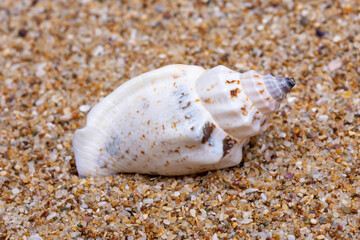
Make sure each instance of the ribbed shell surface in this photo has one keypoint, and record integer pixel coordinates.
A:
(222, 92)
(154, 124)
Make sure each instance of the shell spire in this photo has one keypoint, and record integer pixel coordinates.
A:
(241, 103)
(278, 86)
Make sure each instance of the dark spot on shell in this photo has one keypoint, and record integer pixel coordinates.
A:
(187, 105)
(207, 130)
(192, 146)
(234, 92)
(244, 111)
(207, 100)
(104, 166)
(228, 143)
(173, 151)
(231, 81)
(262, 124)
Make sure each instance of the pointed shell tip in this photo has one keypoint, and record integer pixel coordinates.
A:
(285, 84)
(290, 82)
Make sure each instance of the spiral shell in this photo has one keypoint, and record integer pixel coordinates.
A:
(177, 120)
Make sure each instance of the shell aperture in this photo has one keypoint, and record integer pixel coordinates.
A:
(177, 120)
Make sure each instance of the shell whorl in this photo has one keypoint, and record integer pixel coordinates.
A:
(278, 87)
(241, 103)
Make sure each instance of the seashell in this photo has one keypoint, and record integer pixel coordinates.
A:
(177, 120)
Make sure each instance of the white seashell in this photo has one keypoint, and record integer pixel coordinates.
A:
(177, 120)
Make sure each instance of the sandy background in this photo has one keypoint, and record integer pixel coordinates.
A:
(299, 180)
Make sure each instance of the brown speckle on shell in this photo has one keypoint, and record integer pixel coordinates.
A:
(207, 130)
(228, 143)
(234, 92)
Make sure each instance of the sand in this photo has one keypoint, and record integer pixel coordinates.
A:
(299, 180)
